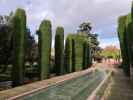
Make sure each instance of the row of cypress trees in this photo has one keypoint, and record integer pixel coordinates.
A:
(125, 34)
(77, 53)
(74, 57)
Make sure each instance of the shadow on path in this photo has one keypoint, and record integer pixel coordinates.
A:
(122, 87)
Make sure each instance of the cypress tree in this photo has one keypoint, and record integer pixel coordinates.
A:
(129, 38)
(89, 56)
(59, 50)
(89, 53)
(122, 34)
(68, 54)
(85, 55)
(45, 38)
(19, 27)
(79, 51)
(73, 55)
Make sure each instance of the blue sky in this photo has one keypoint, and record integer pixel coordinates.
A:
(102, 14)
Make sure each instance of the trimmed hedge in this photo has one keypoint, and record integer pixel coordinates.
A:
(59, 51)
(129, 39)
(68, 54)
(19, 27)
(45, 38)
(125, 34)
(73, 55)
(79, 52)
(122, 34)
(85, 55)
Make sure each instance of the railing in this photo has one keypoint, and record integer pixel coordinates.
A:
(74, 86)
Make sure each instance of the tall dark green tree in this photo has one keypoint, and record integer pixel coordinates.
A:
(73, 55)
(68, 54)
(45, 39)
(123, 43)
(89, 57)
(85, 55)
(129, 41)
(125, 33)
(129, 38)
(19, 27)
(59, 51)
(79, 51)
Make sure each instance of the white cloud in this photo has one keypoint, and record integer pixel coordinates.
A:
(101, 1)
(70, 13)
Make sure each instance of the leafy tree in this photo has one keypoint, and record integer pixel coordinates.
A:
(6, 19)
(110, 52)
(31, 47)
(6, 43)
(85, 29)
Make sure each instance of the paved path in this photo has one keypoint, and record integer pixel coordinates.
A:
(74, 86)
(122, 87)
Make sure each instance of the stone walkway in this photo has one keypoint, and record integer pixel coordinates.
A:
(122, 87)
(21, 91)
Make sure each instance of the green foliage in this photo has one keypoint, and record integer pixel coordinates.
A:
(6, 46)
(85, 27)
(110, 52)
(129, 38)
(85, 30)
(123, 38)
(87, 57)
(79, 52)
(45, 38)
(85, 54)
(125, 30)
(19, 27)
(31, 47)
(73, 55)
(59, 50)
(68, 54)
(6, 19)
